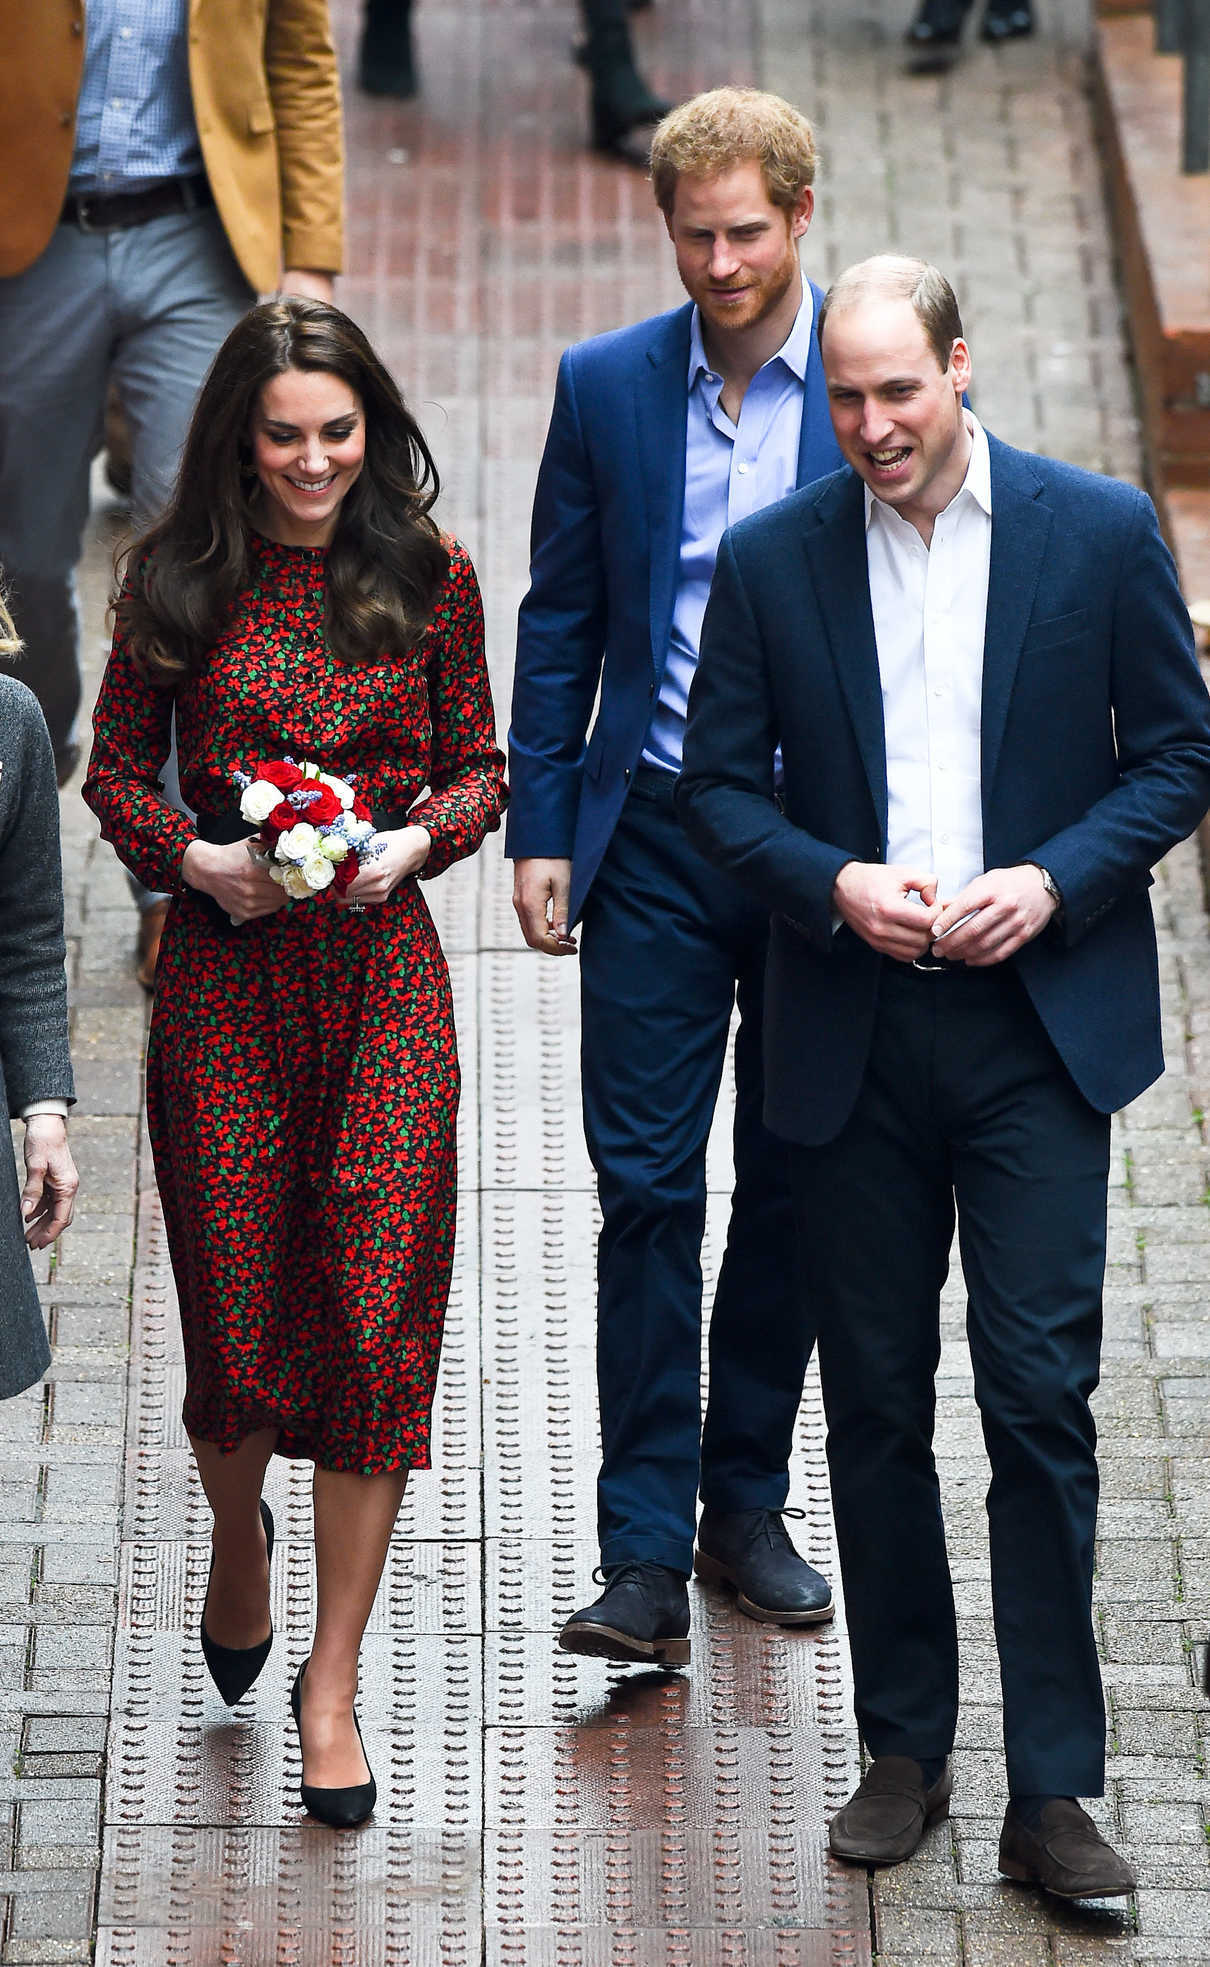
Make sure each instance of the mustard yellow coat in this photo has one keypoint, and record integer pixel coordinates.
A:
(266, 94)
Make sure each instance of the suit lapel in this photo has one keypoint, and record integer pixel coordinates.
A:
(1020, 530)
(818, 451)
(662, 414)
(835, 548)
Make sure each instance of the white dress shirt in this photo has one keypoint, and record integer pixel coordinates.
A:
(930, 616)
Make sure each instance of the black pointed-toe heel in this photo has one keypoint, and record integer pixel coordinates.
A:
(233, 1669)
(341, 1809)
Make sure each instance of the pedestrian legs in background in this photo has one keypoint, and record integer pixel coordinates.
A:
(622, 106)
(386, 62)
(936, 29)
(145, 307)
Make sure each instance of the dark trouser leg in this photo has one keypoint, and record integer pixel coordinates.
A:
(875, 1215)
(658, 966)
(55, 336)
(1030, 1176)
(385, 62)
(762, 1324)
(621, 100)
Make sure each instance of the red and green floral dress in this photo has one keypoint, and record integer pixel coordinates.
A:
(302, 1072)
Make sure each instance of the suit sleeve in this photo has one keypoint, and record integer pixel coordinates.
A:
(1162, 727)
(725, 795)
(33, 982)
(304, 87)
(560, 640)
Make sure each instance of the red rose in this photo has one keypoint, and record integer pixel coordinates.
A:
(280, 820)
(287, 778)
(360, 810)
(345, 872)
(323, 807)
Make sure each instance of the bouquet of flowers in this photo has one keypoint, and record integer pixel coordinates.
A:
(314, 832)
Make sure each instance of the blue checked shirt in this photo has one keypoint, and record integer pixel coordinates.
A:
(134, 120)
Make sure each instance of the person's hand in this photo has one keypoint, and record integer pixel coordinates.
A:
(51, 1181)
(307, 285)
(404, 853)
(240, 885)
(541, 890)
(876, 903)
(1013, 907)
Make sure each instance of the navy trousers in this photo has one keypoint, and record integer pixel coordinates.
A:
(966, 1103)
(667, 945)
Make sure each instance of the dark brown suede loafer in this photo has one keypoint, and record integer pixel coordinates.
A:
(1065, 1855)
(889, 1812)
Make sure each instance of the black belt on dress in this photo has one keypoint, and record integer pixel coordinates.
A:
(116, 211)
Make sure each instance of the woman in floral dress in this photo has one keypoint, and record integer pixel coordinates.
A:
(297, 602)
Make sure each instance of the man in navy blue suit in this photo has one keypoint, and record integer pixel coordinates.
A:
(661, 436)
(980, 672)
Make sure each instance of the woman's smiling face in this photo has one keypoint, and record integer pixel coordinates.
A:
(308, 446)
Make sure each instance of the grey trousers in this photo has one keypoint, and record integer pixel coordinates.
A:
(149, 306)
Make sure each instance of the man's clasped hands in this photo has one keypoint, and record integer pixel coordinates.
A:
(897, 911)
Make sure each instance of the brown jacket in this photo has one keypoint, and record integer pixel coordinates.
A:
(266, 94)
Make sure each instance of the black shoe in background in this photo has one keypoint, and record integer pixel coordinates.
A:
(750, 1551)
(641, 1617)
(386, 63)
(934, 34)
(1006, 20)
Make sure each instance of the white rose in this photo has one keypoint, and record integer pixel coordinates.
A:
(341, 787)
(318, 869)
(295, 883)
(295, 845)
(259, 801)
(334, 847)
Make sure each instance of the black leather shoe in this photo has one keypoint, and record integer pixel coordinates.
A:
(233, 1669)
(889, 1812)
(1065, 1855)
(642, 1616)
(938, 24)
(1006, 21)
(934, 35)
(750, 1550)
(340, 1809)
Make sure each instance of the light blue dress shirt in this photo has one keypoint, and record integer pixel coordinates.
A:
(134, 120)
(731, 470)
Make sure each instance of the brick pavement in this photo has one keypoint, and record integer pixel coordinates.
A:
(538, 1809)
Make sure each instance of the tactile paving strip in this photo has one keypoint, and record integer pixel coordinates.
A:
(534, 1808)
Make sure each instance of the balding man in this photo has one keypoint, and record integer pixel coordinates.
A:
(980, 672)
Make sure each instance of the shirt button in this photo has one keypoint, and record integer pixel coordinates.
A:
(64, 118)
(938, 693)
(945, 840)
(741, 467)
(126, 32)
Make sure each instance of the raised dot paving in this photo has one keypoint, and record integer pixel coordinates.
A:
(536, 1808)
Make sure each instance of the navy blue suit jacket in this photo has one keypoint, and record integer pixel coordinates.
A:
(1095, 761)
(605, 556)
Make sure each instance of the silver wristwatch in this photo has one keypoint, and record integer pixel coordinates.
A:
(1051, 886)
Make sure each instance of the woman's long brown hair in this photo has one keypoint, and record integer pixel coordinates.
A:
(386, 562)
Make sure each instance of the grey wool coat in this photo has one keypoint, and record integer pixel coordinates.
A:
(34, 1059)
